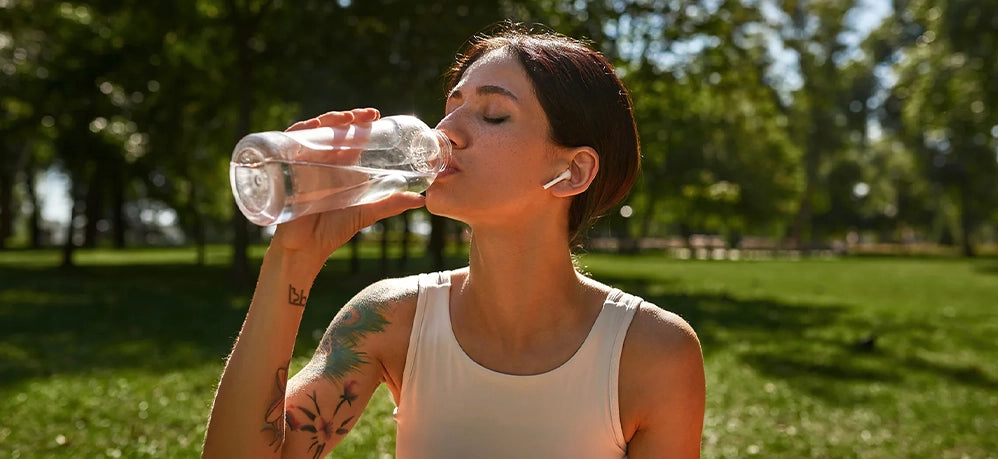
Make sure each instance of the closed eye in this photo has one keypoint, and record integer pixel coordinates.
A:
(497, 120)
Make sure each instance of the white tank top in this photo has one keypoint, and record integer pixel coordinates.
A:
(452, 407)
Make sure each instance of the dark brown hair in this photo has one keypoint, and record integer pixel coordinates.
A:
(586, 105)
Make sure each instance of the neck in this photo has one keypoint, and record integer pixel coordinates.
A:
(521, 286)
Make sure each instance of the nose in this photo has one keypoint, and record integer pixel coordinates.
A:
(451, 126)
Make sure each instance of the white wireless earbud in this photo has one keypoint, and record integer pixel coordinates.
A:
(563, 176)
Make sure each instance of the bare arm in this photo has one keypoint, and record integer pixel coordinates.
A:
(326, 398)
(248, 417)
(663, 365)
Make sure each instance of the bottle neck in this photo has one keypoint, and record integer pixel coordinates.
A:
(445, 147)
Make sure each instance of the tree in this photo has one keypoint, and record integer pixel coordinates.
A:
(717, 157)
(948, 104)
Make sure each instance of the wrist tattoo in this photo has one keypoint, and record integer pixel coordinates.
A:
(296, 297)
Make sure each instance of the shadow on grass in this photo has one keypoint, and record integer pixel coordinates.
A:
(152, 317)
(988, 267)
(824, 350)
(164, 317)
(158, 317)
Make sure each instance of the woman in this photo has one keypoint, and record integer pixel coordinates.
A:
(516, 355)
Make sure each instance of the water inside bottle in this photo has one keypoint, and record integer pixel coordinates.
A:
(275, 190)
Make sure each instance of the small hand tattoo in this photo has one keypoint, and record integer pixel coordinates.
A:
(296, 297)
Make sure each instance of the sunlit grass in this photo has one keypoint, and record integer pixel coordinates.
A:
(790, 368)
(105, 413)
(120, 357)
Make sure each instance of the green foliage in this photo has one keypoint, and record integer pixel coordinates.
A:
(948, 105)
(754, 119)
(717, 155)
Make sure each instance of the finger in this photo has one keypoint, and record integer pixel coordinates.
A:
(306, 124)
(336, 118)
(388, 207)
(366, 115)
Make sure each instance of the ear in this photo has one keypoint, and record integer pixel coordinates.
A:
(583, 164)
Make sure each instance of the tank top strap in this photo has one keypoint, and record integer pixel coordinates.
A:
(434, 289)
(622, 307)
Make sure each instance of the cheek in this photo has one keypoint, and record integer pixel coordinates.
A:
(504, 159)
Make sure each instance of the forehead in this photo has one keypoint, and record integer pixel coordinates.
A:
(500, 68)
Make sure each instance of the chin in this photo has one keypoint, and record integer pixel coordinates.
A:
(436, 203)
(443, 204)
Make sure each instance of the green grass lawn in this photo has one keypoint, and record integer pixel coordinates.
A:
(120, 357)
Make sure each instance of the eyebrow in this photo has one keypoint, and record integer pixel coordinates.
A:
(486, 90)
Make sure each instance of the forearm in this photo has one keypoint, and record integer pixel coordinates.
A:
(247, 417)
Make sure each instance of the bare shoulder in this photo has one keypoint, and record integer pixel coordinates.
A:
(660, 350)
(393, 293)
(389, 306)
(662, 388)
(655, 333)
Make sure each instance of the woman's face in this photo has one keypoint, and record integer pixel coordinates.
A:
(503, 154)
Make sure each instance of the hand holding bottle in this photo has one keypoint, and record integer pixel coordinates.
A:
(319, 234)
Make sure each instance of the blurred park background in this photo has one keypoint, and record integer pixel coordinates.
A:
(819, 199)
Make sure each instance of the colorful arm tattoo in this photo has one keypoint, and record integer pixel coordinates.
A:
(322, 430)
(338, 351)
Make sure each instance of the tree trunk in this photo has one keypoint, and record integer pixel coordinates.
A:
(199, 226)
(6, 198)
(244, 23)
(93, 208)
(199, 240)
(383, 261)
(35, 223)
(457, 238)
(120, 227)
(404, 242)
(13, 161)
(802, 222)
(239, 273)
(627, 243)
(69, 246)
(966, 217)
(646, 219)
(438, 239)
(355, 254)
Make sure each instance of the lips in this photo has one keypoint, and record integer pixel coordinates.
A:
(450, 169)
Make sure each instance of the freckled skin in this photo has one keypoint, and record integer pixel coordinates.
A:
(502, 166)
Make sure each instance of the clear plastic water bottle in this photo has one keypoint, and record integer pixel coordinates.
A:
(279, 176)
